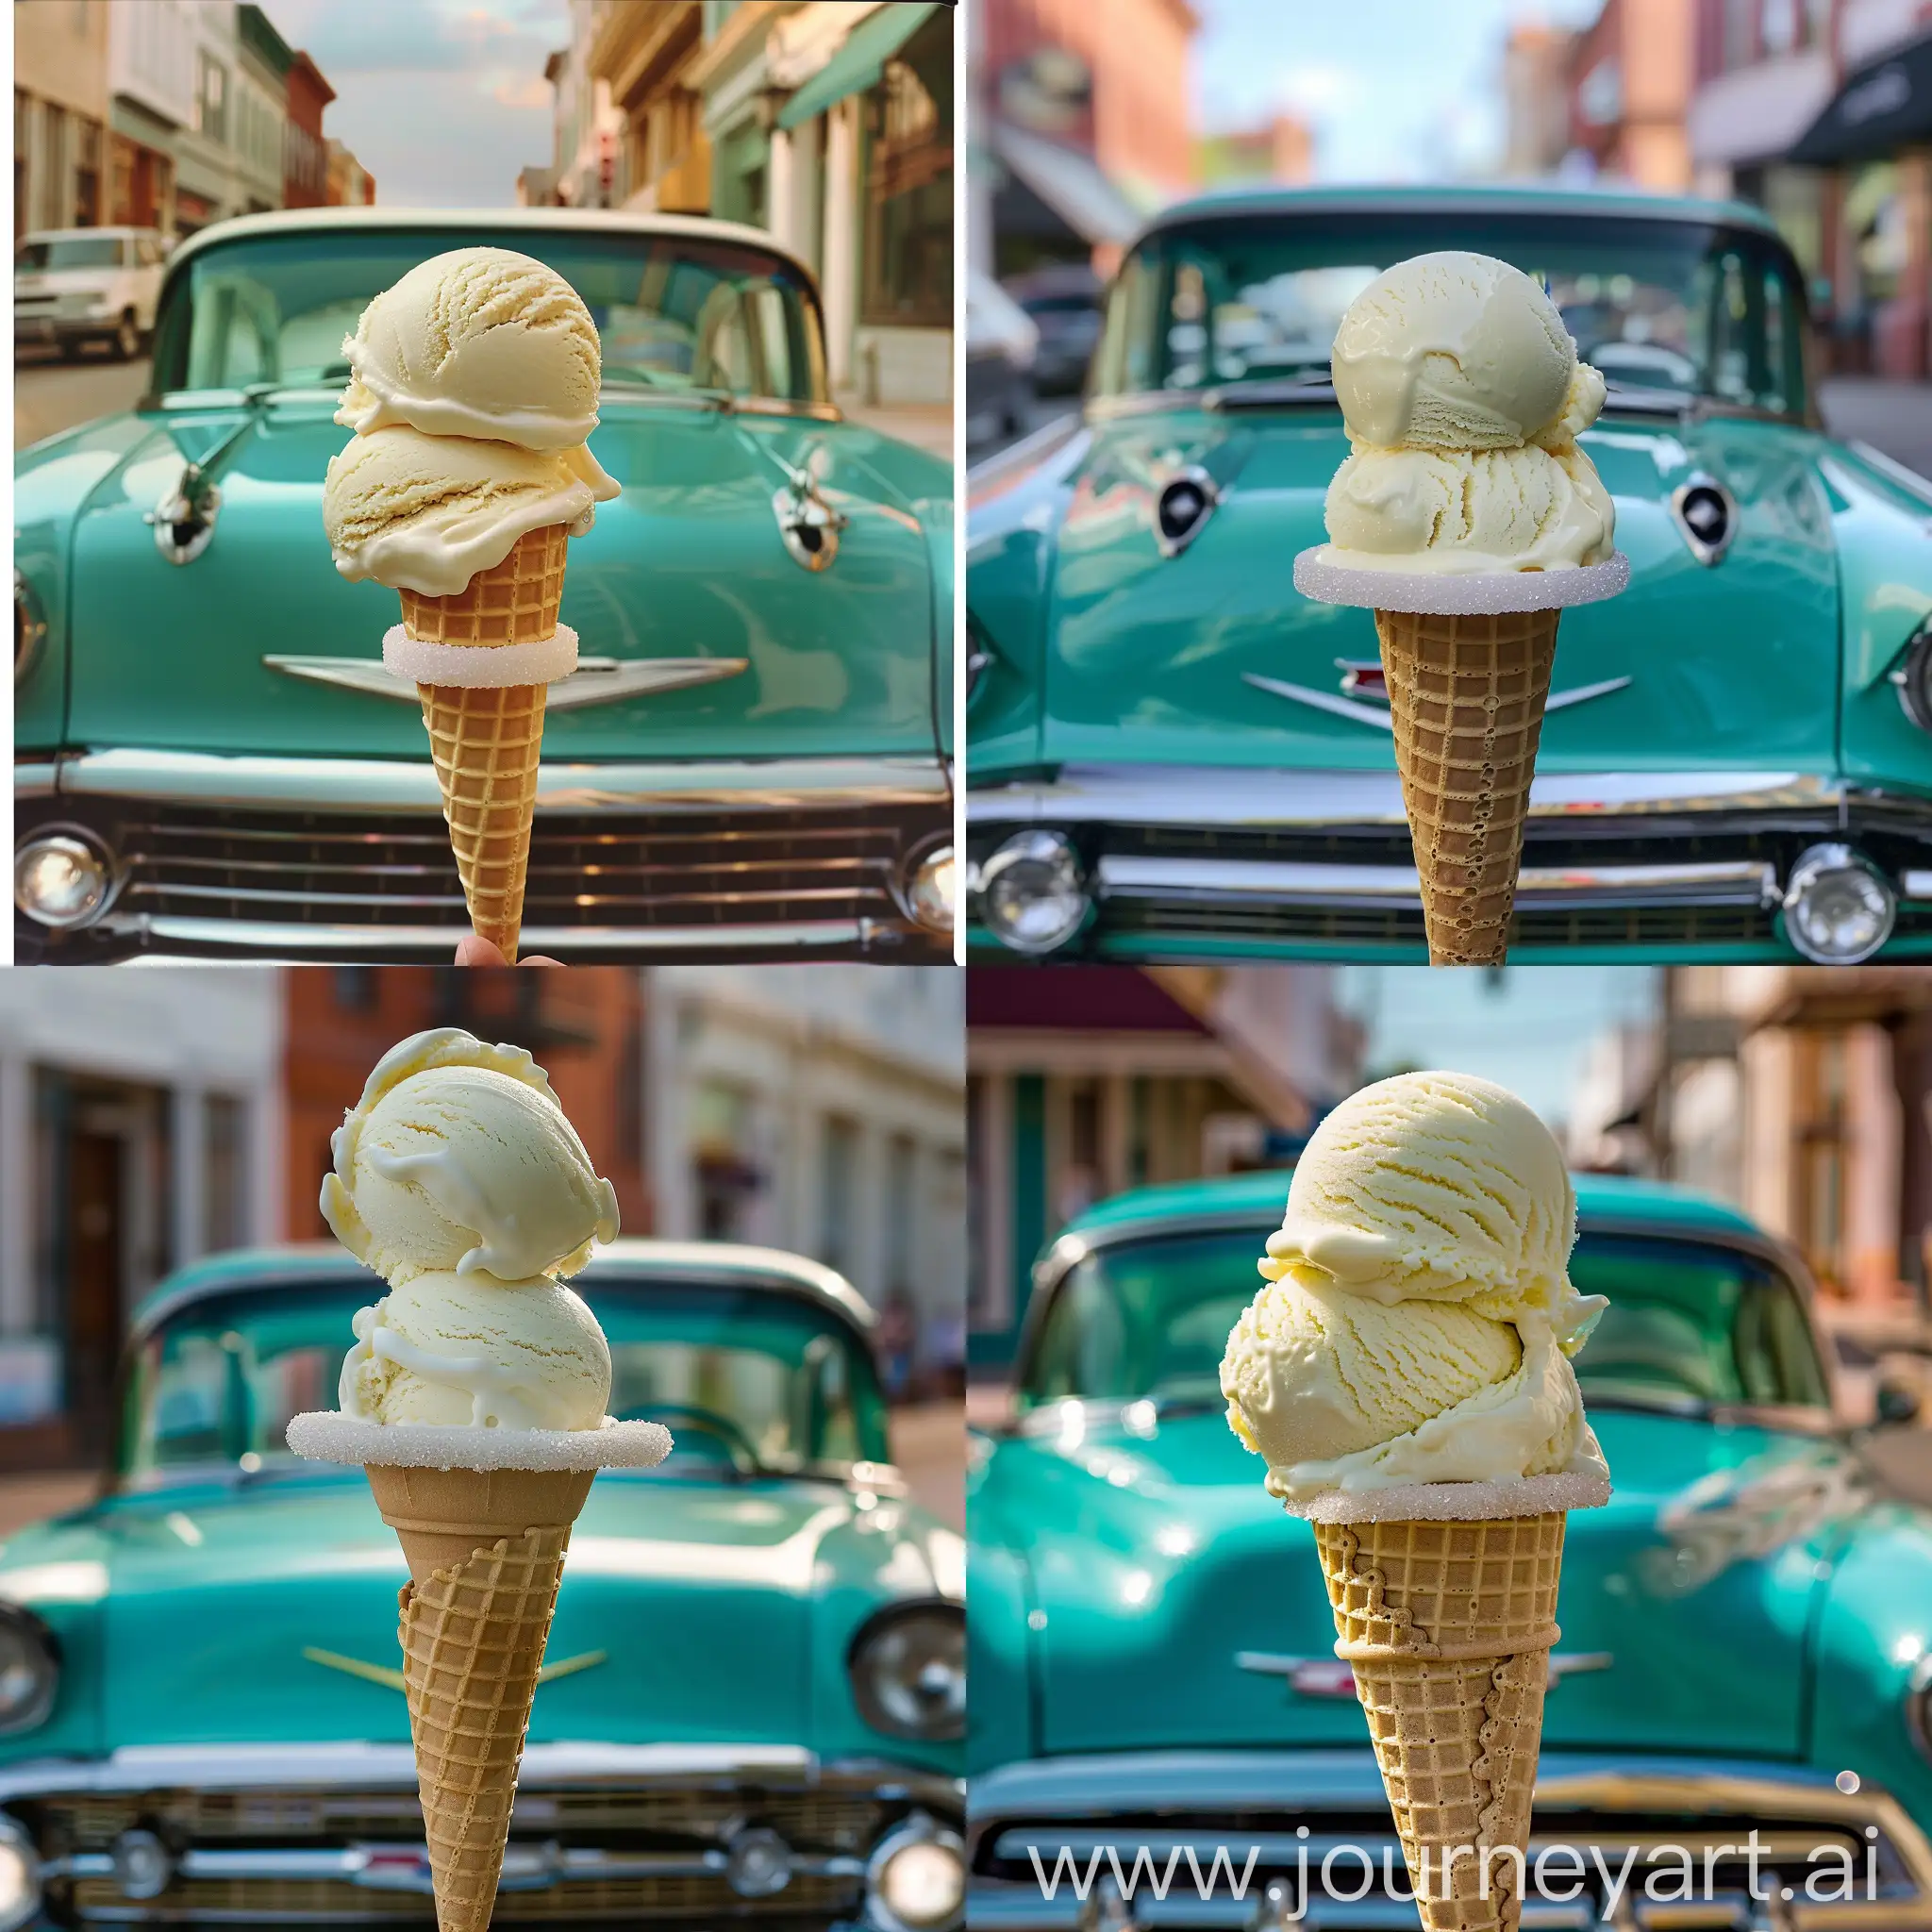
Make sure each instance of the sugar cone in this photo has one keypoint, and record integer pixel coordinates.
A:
(485, 1549)
(487, 742)
(1467, 695)
(1448, 1627)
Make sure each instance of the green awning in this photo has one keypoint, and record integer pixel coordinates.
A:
(860, 62)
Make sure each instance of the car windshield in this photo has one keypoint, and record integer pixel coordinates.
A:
(1654, 305)
(675, 313)
(1689, 1324)
(747, 1378)
(68, 251)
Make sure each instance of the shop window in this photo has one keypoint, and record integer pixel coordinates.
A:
(87, 176)
(838, 1193)
(909, 251)
(212, 99)
(223, 1161)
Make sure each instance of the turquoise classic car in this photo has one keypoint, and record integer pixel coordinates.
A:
(753, 1696)
(1172, 753)
(751, 759)
(1746, 1628)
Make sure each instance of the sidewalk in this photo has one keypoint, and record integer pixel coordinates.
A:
(927, 424)
(1895, 417)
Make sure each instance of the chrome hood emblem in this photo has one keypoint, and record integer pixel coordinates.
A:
(595, 681)
(392, 1679)
(184, 520)
(808, 521)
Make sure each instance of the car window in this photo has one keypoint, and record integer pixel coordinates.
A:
(51, 253)
(1688, 1322)
(738, 1373)
(1652, 304)
(683, 314)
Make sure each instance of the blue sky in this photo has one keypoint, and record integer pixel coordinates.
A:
(1397, 90)
(1528, 1028)
(443, 101)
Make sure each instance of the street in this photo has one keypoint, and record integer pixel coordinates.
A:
(1895, 417)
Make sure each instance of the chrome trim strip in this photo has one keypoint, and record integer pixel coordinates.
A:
(352, 1766)
(261, 937)
(1915, 885)
(1738, 883)
(1379, 716)
(595, 681)
(355, 784)
(1215, 796)
(1331, 1676)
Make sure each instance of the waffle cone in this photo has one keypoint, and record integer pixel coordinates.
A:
(1467, 697)
(487, 742)
(485, 1549)
(1448, 1627)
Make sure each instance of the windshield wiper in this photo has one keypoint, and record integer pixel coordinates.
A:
(1655, 1402)
(1270, 392)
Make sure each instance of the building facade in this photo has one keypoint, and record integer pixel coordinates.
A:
(261, 109)
(817, 1108)
(629, 121)
(350, 184)
(153, 50)
(305, 154)
(1083, 1085)
(209, 185)
(1631, 76)
(141, 1125)
(1082, 127)
(60, 117)
(1537, 61)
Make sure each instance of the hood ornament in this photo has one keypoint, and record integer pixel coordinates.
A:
(1186, 499)
(808, 520)
(184, 520)
(595, 681)
(1706, 514)
(392, 1679)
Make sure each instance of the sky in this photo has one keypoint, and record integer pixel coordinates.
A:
(1395, 90)
(443, 101)
(1528, 1028)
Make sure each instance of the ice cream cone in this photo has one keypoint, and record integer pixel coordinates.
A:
(487, 740)
(485, 1549)
(1467, 694)
(1447, 1626)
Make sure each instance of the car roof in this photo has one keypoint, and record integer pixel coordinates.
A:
(292, 1264)
(581, 221)
(1602, 1201)
(1462, 198)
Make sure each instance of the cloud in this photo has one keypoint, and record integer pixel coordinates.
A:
(523, 92)
(1318, 91)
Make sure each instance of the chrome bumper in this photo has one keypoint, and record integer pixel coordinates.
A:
(345, 860)
(701, 1796)
(1292, 1803)
(1315, 859)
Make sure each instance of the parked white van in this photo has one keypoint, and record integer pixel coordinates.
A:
(73, 286)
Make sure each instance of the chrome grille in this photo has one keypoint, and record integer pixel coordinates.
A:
(1340, 924)
(679, 871)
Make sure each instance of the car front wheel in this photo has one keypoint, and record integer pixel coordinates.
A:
(127, 337)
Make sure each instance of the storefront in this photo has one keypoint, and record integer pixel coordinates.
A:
(1875, 137)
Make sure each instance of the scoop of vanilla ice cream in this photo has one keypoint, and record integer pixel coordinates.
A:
(1451, 351)
(1425, 1196)
(470, 1351)
(457, 1157)
(1460, 511)
(425, 513)
(480, 342)
(1315, 1372)
(1581, 406)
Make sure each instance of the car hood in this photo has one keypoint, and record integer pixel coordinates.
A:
(243, 1616)
(686, 563)
(1162, 1562)
(1153, 660)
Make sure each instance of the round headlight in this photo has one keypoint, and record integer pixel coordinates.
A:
(29, 1669)
(916, 1878)
(61, 880)
(926, 888)
(908, 1667)
(1031, 892)
(1839, 907)
(20, 1876)
(1914, 677)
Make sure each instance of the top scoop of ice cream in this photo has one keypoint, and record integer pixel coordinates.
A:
(1419, 1320)
(458, 1158)
(1452, 351)
(482, 342)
